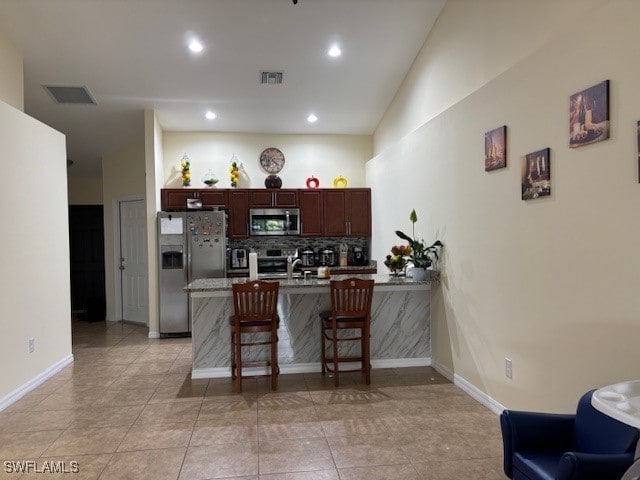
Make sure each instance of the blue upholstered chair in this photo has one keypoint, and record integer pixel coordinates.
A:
(587, 446)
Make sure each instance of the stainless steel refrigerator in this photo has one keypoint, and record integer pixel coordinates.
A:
(191, 245)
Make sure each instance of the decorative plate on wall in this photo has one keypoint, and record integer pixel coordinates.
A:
(272, 160)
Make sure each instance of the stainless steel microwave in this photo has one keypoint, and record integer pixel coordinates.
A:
(274, 221)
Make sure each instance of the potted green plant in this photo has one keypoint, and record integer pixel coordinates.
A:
(421, 256)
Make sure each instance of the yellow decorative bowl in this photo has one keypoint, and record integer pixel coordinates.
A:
(340, 182)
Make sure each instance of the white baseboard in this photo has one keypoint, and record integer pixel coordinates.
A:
(111, 318)
(401, 362)
(34, 382)
(154, 334)
(222, 372)
(470, 389)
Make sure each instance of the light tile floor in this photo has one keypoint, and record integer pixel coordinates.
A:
(128, 409)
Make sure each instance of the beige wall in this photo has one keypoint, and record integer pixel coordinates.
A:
(11, 75)
(471, 43)
(34, 251)
(551, 283)
(324, 156)
(85, 191)
(123, 178)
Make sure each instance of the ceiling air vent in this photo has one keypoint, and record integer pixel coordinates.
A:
(73, 95)
(271, 78)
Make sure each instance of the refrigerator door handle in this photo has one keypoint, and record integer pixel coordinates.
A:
(188, 245)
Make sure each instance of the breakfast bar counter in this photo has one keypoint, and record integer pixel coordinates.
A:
(400, 325)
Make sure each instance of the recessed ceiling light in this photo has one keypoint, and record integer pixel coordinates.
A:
(312, 118)
(334, 51)
(195, 46)
(210, 115)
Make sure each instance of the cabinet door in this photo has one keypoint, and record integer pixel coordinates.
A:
(310, 202)
(335, 218)
(172, 199)
(285, 198)
(358, 206)
(273, 198)
(213, 198)
(260, 198)
(238, 214)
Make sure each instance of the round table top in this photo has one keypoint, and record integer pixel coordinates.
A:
(620, 401)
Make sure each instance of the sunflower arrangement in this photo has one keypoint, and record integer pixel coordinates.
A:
(186, 173)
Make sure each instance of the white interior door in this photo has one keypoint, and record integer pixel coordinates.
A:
(133, 261)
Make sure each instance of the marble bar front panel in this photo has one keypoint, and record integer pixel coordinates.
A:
(400, 329)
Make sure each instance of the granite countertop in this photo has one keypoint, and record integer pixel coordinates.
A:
(224, 284)
(371, 265)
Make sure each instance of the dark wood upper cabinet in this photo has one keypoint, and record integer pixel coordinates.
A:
(358, 207)
(335, 215)
(175, 198)
(273, 198)
(331, 212)
(347, 212)
(172, 199)
(310, 203)
(213, 197)
(238, 226)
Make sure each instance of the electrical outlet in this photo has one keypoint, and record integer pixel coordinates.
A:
(32, 345)
(508, 367)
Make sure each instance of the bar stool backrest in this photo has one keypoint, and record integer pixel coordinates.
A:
(351, 298)
(255, 301)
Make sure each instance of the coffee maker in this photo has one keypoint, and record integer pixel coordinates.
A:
(359, 256)
(239, 258)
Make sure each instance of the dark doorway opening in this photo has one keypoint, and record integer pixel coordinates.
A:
(86, 244)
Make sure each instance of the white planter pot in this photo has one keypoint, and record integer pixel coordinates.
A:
(418, 274)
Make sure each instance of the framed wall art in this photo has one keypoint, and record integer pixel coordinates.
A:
(589, 115)
(536, 174)
(495, 149)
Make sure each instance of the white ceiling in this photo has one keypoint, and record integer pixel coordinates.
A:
(132, 55)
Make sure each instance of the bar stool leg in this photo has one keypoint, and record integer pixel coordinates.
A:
(275, 369)
(366, 357)
(233, 355)
(323, 349)
(336, 373)
(238, 346)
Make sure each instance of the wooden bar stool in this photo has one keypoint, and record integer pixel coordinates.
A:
(350, 310)
(255, 312)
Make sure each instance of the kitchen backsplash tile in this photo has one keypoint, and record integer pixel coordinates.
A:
(288, 243)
